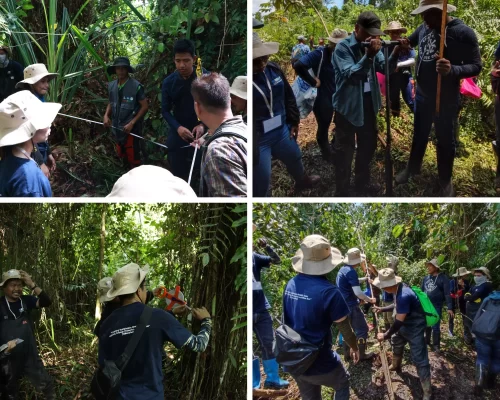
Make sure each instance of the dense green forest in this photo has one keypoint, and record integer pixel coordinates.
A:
(68, 248)
(78, 38)
(474, 170)
(459, 235)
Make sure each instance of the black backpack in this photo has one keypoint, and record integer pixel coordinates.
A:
(486, 324)
(293, 351)
(106, 380)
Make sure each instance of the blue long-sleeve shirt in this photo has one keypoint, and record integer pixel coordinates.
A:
(177, 106)
(352, 69)
(438, 289)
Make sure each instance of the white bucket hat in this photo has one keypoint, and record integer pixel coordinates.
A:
(428, 4)
(33, 73)
(152, 183)
(10, 274)
(261, 49)
(127, 280)
(354, 257)
(316, 256)
(239, 87)
(337, 35)
(103, 287)
(462, 271)
(434, 262)
(386, 278)
(21, 115)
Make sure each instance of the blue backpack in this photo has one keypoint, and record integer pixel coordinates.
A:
(486, 324)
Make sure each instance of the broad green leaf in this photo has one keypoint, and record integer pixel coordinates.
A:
(199, 30)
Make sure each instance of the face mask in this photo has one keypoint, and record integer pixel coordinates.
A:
(3, 58)
(480, 279)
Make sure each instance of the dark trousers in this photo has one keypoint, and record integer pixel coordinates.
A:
(497, 123)
(263, 329)
(323, 111)
(488, 354)
(358, 322)
(180, 160)
(398, 83)
(345, 143)
(310, 386)
(425, 116)
(33, 370)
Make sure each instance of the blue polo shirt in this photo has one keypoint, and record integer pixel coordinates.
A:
(310, 305)
(407, 301)
(260, 303)
(20, 177)
(346, 279)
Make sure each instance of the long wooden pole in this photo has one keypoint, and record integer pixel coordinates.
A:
(441, 52)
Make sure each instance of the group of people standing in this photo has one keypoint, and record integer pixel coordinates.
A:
(349, 92)
(312, 303)
(200, 107)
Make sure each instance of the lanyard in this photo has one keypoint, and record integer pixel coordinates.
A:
(27, 155)
(20, 310)
(269, 106)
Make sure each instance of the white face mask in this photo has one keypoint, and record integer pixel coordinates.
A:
(480, 279)
(3, 58)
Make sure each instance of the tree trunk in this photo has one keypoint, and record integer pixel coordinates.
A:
(101, 259)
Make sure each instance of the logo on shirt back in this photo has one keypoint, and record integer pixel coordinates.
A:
(429, 47)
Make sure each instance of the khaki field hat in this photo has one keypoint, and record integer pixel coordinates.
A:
(103, 286)
(462, 271)
(153, 183)
(434, 262)
(316, 256)
(33, 73)
(239, 87)
(428, 4)
(337, 35)
(354, 257)
(127, 280)
(22, 114)
(261, 49)
(10, 274)
(395, 26)
(484, 270)
(386, 278)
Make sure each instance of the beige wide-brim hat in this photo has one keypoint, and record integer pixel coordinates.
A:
(33, 73)
(337, 35)
(484, 270)
(261, 49)
(395, 26)
(152, 183)
(462, 271)
(316, 256)
(434, 262)
(428, 4)
(10, 274)
(239, 87)
(127, 280)
(103, 287)
(386, 278)
(354, 257)
(22, 114)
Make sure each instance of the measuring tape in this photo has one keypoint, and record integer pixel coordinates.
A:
(174, 297)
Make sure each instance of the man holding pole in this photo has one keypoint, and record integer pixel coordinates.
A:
(459, 58)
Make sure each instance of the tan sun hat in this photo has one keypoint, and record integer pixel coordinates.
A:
(354, 257)
(239, 87)
(316, 256)
(22, 114)
(152, 183)
(33, 73)
(428, 4)
(337, 35)
(434, 262)
(462, 271)
(395, 26)
(386, 278)
(127, 280)
(484, 270)
(10, 274)
(103, 287)
(261, 49)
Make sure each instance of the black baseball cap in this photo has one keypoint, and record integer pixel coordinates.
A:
(370, 23)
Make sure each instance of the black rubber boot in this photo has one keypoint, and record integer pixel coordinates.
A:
(481, 373)
(363, 355)
(428, 333)
(436, 341)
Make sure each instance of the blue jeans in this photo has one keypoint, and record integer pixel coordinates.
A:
(263, 329)
(276, 144)
(310, 386)
(358, 322)
(412, 332)
(488, 354)
(425, 116)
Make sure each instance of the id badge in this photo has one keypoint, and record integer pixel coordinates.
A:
(272, 123)
(367, 85)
